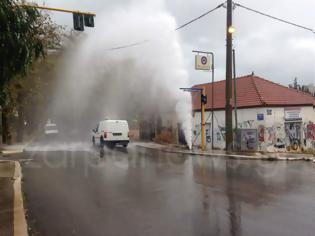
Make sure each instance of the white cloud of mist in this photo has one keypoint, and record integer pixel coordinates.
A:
(96, 82)
(208, 34)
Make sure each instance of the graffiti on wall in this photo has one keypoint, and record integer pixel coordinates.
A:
(275, 136)
(247, 124)
(293, 133)
(271, 135)
(280, 135)
(261, 133)
(310, 135)
(310, 131)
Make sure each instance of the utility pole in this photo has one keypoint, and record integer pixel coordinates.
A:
(212, 104)
(235, 90)
(228, 86)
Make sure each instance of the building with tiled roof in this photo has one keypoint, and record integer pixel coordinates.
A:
(253, 91)
(282, 116)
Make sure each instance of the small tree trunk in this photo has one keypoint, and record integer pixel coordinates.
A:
(5, 128)
(20, 127)
(20, 121)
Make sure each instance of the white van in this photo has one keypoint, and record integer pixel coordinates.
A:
(51, 129)
(110, 133)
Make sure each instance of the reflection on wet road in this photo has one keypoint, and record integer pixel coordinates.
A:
(142, 192)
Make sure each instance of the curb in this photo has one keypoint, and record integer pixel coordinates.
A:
(13, 149)
(8, 152)
(232, 156)
(19, 220)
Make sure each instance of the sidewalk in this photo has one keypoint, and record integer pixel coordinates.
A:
(12, 149)
(233, 155)
(12, 216)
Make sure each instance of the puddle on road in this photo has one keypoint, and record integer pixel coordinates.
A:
(51, 147)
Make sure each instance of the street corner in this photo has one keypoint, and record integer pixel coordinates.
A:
(7, 169)
(12, 215)
(13, 149)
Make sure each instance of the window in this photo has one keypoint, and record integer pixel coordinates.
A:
(269, 112)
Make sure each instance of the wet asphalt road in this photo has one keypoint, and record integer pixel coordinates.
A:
(142, 192)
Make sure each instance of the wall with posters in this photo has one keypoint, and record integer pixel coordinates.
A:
(277, 127)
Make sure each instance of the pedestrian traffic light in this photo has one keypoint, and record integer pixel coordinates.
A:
(203, 99)
(78, 23)
(89, 20)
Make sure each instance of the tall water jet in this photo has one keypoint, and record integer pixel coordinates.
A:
(96, 81)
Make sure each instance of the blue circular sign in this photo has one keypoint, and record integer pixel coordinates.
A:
(204, 60)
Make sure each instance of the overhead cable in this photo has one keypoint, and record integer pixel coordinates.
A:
(176, 29)
(275, 18)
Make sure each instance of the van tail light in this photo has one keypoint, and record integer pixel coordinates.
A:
(105, 134)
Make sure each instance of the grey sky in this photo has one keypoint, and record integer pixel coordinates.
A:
(273, 50)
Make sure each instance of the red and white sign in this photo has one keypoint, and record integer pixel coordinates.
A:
(202, 62)
(292, 113)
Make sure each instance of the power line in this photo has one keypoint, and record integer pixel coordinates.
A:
(275, 18)
(199, 17)
(176, 29)
(130, 45)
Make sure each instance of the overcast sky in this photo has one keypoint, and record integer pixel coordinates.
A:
(272, 50)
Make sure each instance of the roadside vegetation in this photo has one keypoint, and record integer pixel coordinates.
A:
(31, 44)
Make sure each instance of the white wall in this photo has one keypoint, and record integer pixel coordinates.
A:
(273, 125)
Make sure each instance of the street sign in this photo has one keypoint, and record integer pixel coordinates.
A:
(202, 62)
(292, 113)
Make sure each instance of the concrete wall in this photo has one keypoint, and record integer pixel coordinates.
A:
(273, 129)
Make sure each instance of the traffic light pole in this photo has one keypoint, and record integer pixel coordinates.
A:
(56, 9)
(203, 101)
(228, 92)
(212, 93)
(80, 19)
(202, 94)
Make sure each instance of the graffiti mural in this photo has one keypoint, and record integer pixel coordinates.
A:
(310, 131)
(247, 124)
(275, 136)
(293, 134)
(309, 135)
(271, 135)
(261, 133)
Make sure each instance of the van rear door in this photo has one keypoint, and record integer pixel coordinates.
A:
(117, 130)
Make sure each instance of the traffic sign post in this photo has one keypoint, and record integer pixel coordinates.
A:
(203, 61)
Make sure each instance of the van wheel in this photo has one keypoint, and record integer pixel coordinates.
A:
(93, 141)
(102, 142)
(102, 152)
(125, 145)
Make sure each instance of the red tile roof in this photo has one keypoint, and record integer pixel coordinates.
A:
(253, 91)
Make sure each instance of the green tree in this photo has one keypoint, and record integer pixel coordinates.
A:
(26, 35)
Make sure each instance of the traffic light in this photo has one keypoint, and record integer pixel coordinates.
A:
(89, 20)
(203, 99)
(78, 23)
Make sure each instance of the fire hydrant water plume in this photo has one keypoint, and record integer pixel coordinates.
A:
(125, 83)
